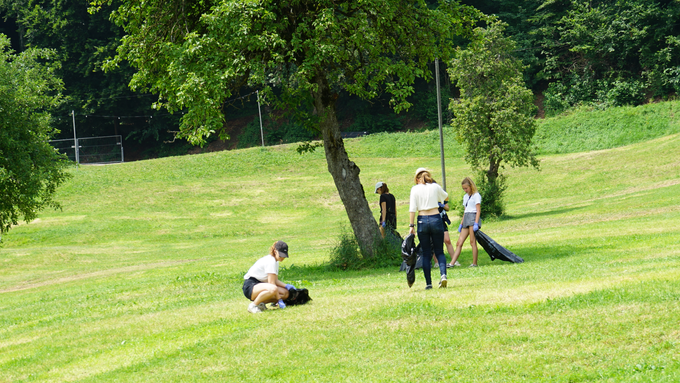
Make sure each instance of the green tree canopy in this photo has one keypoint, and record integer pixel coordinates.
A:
(196, 54)
(81, 42)
(494, 116)
(30, 169)
(611, 52)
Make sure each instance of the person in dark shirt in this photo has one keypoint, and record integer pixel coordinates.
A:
(388, 208)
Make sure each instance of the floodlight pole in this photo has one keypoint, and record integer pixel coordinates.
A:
(441, 132)
(75, 137)
(259, 111)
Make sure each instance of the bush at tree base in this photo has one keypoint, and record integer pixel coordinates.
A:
(346, 254)
(492, 194)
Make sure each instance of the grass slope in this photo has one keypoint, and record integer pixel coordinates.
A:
(138, 278)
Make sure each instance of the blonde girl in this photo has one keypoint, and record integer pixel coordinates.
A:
(472, 201)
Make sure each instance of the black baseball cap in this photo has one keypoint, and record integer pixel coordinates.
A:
(282, 248)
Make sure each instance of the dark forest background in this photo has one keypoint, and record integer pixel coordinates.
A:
(602, 53)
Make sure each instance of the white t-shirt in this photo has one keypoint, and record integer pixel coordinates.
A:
(426, 197)
(262, 268)
(470, 203)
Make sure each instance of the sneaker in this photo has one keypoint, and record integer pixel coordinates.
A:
(428, 287)
(443, 282)
(253, 308)
(472, 265)
(457, 264)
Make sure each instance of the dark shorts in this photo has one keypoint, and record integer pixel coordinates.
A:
(248, 285)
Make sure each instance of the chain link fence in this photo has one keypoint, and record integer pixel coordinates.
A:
(92, 150)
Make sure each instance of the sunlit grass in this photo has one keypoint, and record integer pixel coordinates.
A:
(139, 277)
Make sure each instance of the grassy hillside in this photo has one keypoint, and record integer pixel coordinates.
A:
(138, 277)
(585, 128)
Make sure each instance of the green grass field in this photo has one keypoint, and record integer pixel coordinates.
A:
(138, 278)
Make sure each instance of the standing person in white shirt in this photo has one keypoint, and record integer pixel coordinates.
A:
(425, 198)
(470, 223)
(261, 283)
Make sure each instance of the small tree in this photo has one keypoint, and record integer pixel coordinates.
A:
(30, 169)
(494, 116)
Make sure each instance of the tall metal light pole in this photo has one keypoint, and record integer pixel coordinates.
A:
(441, 132)
(259, 111)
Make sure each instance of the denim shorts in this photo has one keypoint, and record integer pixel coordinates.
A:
(469, 220)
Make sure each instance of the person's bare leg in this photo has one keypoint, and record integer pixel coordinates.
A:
(449, 246)
(459, 245)
(283, 293)
(265, 293)
(473, 243)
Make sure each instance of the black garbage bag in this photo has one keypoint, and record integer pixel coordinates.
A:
(409, 255)
(495, 250)
(419, 259)
(297, 297)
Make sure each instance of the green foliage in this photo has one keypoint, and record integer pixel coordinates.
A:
(494, 117)
(275, 134)
(610, 52)
(374, 123)
(30, 169)
(308, 147)
(250, 136)
(347, 254)
(425, 106)
(364, 48)
(82, 42)
(492, 192)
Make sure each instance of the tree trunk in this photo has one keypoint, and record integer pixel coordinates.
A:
(345, 172)
(494, 168)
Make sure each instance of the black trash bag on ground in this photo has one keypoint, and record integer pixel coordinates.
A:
(409, 255)
(495, 250)
(297, 297)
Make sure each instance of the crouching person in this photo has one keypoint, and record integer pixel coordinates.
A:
(262, 284)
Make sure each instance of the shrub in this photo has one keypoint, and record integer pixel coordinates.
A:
(346, 254)
(250, 136)
(374, 123)
(492, 195)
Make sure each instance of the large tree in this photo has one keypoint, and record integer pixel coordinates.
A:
(494, 116)
(299, 53)
(30, 169)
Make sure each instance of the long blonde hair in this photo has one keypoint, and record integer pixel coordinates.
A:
(272, 250)
(468, 181)
(426, 176)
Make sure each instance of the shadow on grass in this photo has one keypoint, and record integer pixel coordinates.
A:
(539, 253)
(325, 272)
(507, 217)
(530, 254)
